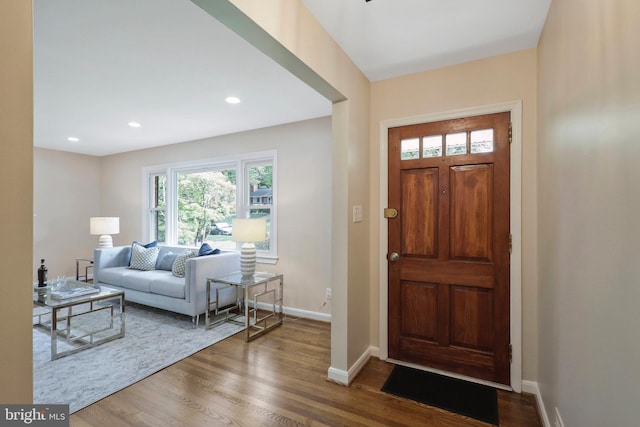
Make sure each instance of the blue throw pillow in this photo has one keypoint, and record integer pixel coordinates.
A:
(166, 263)
(206, 249)
(148, 245)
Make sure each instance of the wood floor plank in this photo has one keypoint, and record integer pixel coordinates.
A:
(278, 379)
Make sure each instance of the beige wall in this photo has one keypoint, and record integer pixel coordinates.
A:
(66, 193)
(589, 239)
(304, 197)
(16, 184)
(495, 80)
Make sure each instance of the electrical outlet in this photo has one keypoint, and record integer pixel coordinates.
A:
(327, 293)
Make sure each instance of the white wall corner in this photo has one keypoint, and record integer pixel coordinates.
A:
(374, 351)
(346, 377)
(532, 387)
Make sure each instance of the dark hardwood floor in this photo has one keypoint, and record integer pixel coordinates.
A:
(278, 379)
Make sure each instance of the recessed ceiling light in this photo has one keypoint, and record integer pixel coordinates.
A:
(232, 99)
(134, 124)
(73, 139)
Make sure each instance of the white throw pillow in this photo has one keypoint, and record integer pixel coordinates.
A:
(143, 258)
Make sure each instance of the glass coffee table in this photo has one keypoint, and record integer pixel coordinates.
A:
(78, 322)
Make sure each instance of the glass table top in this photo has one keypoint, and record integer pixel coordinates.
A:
(43, 296)
(238, 279)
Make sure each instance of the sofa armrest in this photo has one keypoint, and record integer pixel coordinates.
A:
(118, 256)
(199, 269)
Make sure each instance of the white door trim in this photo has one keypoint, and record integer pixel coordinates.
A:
(515, 108)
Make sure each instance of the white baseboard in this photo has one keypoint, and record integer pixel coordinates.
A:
(532, 387)
(338, 376)
(345, 377)
(296, 312)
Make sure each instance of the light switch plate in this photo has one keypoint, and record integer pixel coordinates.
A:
(357, 213)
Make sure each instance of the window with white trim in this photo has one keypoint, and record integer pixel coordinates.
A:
(195, 202)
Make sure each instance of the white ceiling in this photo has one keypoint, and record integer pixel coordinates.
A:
(390, 38)
(166, 64)
(169, 65)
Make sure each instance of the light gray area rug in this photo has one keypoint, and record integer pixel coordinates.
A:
(154, 339)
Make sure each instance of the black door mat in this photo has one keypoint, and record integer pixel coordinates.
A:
(454, 395)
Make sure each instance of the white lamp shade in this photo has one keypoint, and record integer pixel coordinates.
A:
(249, 230)
(104, 225)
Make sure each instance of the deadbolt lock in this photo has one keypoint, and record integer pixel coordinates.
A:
(390, 213)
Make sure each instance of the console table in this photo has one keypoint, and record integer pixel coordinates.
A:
(267, 291)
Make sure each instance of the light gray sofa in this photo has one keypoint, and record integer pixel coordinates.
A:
(160, 288)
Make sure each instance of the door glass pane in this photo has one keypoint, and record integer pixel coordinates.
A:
(482, 141)
(410, 149)
(432, 146)
(206, 207)
(456, 143)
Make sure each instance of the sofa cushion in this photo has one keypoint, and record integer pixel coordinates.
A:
(180, 263)
(141, 280)
(114, 275)
(143, 258)
(168, 285)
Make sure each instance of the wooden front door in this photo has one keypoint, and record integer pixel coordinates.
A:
(449, 282)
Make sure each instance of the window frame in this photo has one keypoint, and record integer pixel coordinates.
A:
(241, 163)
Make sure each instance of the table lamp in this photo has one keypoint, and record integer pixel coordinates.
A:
(248, 231)
(104, 227)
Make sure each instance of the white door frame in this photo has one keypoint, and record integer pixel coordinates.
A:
(515, 108)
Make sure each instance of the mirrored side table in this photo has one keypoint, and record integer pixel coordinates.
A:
(260, 296)
(87, 264)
